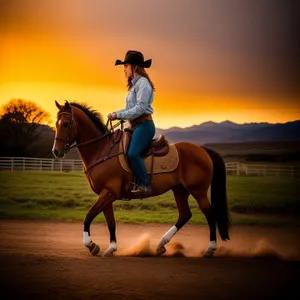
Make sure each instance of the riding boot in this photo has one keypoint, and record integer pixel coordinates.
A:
(141, 189)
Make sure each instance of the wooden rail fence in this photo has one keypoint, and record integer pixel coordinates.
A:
(75, 165)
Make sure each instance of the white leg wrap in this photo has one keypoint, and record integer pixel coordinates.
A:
(210, 251)
(86, 238)
(167, 236)
(212, 245)
(111, 249)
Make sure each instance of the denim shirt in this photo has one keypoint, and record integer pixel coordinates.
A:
(138, 101)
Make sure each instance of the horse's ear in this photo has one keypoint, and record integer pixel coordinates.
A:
(58, 105)
(67, 105)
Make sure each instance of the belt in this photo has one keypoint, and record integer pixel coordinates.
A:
(138, 120)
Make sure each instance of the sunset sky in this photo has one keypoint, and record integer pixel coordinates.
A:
(213, 60)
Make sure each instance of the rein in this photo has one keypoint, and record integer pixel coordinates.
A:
(112, 127)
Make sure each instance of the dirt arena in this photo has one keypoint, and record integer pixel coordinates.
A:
(46, 260)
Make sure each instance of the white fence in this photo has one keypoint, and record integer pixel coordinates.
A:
(241, 169)
(40, 164)
(75, 165)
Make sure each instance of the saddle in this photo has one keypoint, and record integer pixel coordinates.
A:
(157, 147)
(159, 157)
(157, 150)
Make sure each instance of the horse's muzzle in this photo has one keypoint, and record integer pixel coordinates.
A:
(58, 153)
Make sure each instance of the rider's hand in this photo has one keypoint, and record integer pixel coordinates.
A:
(112, 116)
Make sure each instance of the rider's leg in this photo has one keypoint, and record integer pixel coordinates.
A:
(141, 138)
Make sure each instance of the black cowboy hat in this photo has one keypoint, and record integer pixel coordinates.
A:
(134, 58)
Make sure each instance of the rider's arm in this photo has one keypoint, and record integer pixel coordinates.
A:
(141, 98)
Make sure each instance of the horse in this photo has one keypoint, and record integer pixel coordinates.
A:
(198, 169)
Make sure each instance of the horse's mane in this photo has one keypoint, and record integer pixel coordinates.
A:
(94, 115)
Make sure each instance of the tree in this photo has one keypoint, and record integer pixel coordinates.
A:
(21, 124)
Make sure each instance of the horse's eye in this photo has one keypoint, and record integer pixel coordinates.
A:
(66, 124)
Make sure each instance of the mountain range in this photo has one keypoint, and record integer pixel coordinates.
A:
(229, 132)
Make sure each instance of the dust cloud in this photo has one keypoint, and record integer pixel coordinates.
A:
(262, 249)
(141, 248)
(144, 248)
(238, 248)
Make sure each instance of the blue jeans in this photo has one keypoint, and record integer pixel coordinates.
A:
(141, 137)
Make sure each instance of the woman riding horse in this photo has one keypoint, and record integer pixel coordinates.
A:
(138, 111)
(198, 169)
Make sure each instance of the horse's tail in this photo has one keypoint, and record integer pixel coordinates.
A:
(218, 194)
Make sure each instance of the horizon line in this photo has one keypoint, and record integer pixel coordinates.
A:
(228, 121)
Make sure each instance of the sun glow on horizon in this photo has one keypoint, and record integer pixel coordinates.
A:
(167, 112)
(43, 72)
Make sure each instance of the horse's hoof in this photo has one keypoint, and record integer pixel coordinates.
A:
(208, 254)
(108, 253)
(94, 248)
(161, 250)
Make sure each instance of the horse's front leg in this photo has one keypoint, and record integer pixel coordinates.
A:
(105, 198)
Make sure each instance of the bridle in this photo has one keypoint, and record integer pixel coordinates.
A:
(70, 127)
(66, 140)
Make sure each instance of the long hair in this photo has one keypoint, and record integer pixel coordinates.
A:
(141, 71)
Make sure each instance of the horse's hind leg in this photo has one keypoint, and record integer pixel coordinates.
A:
(201, 197)
(181, 196)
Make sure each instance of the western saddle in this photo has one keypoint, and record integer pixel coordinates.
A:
(157, 147)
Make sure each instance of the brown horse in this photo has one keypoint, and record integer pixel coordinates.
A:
(197, 170)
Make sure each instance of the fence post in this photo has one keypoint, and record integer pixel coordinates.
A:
(12, 164)
(61, 165)
(52, 162)
(23, 164)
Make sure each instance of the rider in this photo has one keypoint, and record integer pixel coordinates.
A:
(138, 112)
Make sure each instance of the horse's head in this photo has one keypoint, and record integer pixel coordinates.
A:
(66, 132)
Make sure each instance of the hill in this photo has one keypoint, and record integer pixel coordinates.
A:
(229, 132)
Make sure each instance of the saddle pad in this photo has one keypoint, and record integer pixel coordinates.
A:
(162, 164)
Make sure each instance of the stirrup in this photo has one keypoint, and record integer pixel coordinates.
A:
(140, 189)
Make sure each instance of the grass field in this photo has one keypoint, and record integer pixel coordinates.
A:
(67, 196)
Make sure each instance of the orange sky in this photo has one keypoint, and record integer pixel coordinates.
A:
(210, 62)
